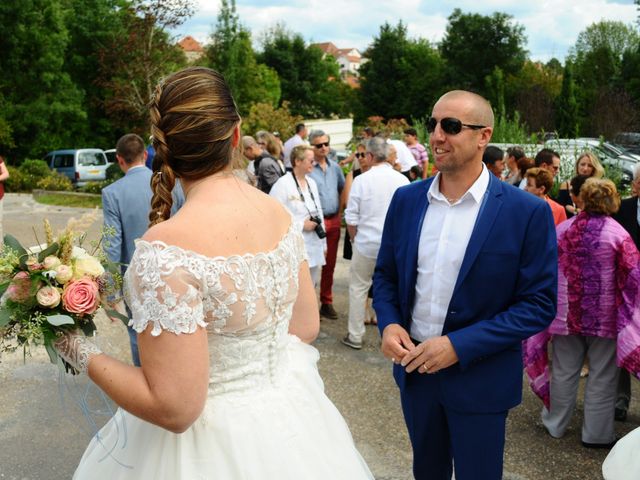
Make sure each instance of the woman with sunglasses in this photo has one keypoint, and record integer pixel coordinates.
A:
(360, 165)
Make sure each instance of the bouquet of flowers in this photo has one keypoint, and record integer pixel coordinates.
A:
(54, 288)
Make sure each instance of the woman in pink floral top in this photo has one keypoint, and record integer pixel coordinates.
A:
(598, 318)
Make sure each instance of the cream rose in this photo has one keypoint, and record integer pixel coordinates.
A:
(81, 296)
(63, 274)
(51, 262)
(87, 265)
(48, 297)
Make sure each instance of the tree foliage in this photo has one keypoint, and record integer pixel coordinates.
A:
(402, 77)
(264, 116)
(567, 106)
(231, 53)
(474, 45)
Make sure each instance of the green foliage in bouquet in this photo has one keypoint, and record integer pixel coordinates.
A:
(56, 287)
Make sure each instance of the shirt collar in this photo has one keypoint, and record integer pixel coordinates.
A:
(475, 192)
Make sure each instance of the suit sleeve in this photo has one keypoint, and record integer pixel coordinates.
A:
(386, 301)
(534, 302)
(113, 242)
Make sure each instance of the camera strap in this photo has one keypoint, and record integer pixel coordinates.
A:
(302, 196)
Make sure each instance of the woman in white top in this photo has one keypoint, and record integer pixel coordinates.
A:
(299, 193)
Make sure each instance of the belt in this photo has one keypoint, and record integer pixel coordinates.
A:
(331, 216)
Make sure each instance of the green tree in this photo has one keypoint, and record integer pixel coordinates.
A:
(567, 106)
(403, 77)
(310, 80)
(138, 53)
(232, 55)
(42, 107)
(474, 45)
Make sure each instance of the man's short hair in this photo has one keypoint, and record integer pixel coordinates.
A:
(378, 148)
(541, 177)
(411, 131)
(576, 184)
(316, 134)
(546, 156)
(300, 127)
(248, 141)
(515, 152)
(131, 148)
(492, 154)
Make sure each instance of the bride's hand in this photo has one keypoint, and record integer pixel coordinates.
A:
(76, 349)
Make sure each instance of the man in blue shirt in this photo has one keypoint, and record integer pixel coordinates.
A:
(330, 180)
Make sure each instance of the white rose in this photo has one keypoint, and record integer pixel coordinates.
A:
(51, 262)
(87, 265)
(48, 297)
(63, 274)
(78, 252)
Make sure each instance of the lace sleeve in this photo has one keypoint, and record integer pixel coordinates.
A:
(163, 289)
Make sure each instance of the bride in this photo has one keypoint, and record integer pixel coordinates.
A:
(224, 307)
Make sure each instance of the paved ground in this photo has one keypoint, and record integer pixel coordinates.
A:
(43, 438)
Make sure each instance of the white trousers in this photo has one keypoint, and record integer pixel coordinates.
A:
(360, 279)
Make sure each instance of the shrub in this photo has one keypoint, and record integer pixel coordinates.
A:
(114, 172)
(262, 116)
(33, 171)
(56, 182)
(94, 187)
(16, 181)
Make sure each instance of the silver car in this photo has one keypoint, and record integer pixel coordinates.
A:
(82, 165)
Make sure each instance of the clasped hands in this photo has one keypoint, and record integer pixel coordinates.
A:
(430, 356)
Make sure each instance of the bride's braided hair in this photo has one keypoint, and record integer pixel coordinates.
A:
(193, 117)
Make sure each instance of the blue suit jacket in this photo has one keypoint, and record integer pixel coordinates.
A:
(505, 292)
(126, 204)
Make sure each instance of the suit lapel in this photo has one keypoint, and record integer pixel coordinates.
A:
(487, 215)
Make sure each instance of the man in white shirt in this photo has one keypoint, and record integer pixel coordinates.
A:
(297, 139)
(367, 206)
(404, 158)
(467, 269)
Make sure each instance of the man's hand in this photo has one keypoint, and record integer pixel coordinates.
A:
(395, 342)
(430, 356)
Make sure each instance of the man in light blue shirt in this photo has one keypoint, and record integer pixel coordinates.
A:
(330, 180)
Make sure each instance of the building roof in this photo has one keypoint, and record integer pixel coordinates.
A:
(328, 47)
(190, 44)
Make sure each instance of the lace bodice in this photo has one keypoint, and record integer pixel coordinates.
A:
(244, 302)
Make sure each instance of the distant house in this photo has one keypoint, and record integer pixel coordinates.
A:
(192, 48)
(349, 60)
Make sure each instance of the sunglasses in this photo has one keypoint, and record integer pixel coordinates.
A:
(360, 155)
(451, 126)
(320, 145)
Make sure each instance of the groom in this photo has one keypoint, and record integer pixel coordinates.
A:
(467, 269)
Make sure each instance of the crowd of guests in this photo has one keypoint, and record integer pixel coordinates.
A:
(598, 318)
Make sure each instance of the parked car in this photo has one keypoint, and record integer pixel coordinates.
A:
(111, 155)
(81, 165)
(629, 141)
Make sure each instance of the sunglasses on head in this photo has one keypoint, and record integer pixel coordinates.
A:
(360, 154)
(450, 125)
(320, 145)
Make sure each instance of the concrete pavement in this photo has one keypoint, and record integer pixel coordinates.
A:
(43, 438)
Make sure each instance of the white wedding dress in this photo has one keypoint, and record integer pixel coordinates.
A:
(266, 415)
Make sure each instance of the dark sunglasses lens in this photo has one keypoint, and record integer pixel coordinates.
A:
(320, 145)
(452, 126)
(431, 124)
(359, 155)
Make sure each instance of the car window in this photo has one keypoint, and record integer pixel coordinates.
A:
(91, 159)
(64, 160)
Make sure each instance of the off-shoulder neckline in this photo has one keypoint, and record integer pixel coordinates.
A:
(167, 247)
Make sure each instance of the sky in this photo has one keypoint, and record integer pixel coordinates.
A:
(551, 27)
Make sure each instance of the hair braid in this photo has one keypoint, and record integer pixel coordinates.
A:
(162, 183)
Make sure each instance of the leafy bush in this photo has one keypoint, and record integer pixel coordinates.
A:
(56, 182)
(94, 187)
(507, 130)
(35, 168)
(16, 181)
(114, 172)
(263, 116)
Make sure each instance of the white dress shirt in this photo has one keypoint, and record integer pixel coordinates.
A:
(285, 191)
(368, 203)
(445, 234)
(289, 145)
(405, 157)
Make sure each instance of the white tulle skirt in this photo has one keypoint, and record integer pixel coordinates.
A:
(292, 431)
(623, 461)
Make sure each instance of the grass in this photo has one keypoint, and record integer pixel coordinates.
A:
(64, 200)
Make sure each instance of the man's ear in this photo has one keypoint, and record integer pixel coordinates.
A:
(485, 137)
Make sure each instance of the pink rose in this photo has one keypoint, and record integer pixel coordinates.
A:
(33, 265)
(20, 288)
(81, 296)
(48, 297)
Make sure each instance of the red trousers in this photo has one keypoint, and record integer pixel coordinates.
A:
(332, 225)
